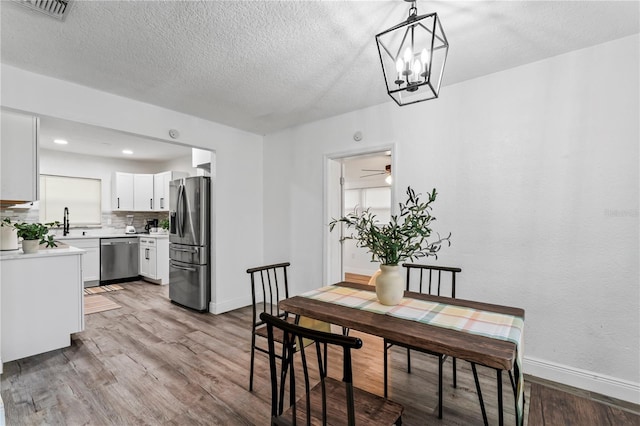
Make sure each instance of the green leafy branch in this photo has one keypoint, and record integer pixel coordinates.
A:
(36, 231)
(406, 236)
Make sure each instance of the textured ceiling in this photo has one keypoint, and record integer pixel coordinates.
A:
(262, 66)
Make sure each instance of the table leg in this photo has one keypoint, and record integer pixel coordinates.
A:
(475, 377)
(384, 342)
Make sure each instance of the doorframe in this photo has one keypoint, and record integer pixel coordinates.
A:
(328, 269)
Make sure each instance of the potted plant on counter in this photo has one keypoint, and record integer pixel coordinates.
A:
(164, 225)
(34, 234)
(406, 236)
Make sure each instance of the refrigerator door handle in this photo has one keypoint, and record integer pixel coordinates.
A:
(173, 265)
(185, 250)
(179, 207)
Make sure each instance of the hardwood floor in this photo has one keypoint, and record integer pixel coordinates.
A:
(151, 362)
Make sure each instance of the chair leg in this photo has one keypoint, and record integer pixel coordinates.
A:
(253, 352)
(386, 348)
(500, 408)
(455, 375)
(440, 362)
(408, 361)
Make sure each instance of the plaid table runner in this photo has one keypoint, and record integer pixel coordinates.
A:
(467, 320)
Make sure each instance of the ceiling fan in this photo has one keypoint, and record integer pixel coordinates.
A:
(387, 171)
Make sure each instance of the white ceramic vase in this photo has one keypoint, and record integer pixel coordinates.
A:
(389, 285)
(8, 238)
(30, 246)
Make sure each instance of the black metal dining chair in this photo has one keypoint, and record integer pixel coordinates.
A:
(329, 401)
(269, 283)
(427, 279)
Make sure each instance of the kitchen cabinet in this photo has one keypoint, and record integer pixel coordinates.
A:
(154, 259)
(19, 158)
(90, 258)
(122, 191)
(42, 301)
(142, 192)
(161, 188)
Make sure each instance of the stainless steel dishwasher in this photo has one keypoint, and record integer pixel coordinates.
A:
(118, 259)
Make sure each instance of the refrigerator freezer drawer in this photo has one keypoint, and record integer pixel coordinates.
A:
(189, 285)
(189, 254)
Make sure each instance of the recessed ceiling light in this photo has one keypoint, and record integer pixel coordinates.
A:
(60, 141)
(127, 151)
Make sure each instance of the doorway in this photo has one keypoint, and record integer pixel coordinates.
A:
(359, 181)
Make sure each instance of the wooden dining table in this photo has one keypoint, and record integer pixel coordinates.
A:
(477, 349)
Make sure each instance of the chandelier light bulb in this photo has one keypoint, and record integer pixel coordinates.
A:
(399, 65)
(407, 55)
(424, 55)
(417, 67)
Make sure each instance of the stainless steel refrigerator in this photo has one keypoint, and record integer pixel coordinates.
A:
(189, 239)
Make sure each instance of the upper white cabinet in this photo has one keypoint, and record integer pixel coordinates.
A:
(19, 157)
(142, 192)
(161, 189)
(122, 191)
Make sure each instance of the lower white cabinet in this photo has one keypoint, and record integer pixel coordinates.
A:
(90, 259)
(42, 301)
(154, 259)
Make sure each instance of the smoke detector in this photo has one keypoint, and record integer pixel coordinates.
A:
(55, 8)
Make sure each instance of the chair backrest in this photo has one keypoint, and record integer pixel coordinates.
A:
(271, 283)
(305, 406)
(432, 279)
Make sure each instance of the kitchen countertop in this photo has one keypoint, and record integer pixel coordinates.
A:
(63, 250)
(97, 235)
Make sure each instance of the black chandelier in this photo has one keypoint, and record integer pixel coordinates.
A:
(412, 55)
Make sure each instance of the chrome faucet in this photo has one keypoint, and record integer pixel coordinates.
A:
(65, 222)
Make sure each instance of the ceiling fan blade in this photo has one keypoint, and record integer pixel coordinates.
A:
(373, 170)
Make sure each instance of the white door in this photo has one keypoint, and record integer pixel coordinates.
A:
(364, 181)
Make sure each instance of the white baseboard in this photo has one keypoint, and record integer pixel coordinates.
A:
(583, 379)
(229, 305)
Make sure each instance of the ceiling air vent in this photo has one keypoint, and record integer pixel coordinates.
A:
(55, 8)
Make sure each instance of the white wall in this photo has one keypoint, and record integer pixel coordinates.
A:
(180, 164)
(537, 173)
(238, 213)
(66, 164)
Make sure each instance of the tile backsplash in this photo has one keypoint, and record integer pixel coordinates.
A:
(112, 222)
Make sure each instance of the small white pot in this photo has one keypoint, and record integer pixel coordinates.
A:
(390, 285)
(30, 246)
(8, 238)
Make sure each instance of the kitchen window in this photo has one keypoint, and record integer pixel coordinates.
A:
(83, 197)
